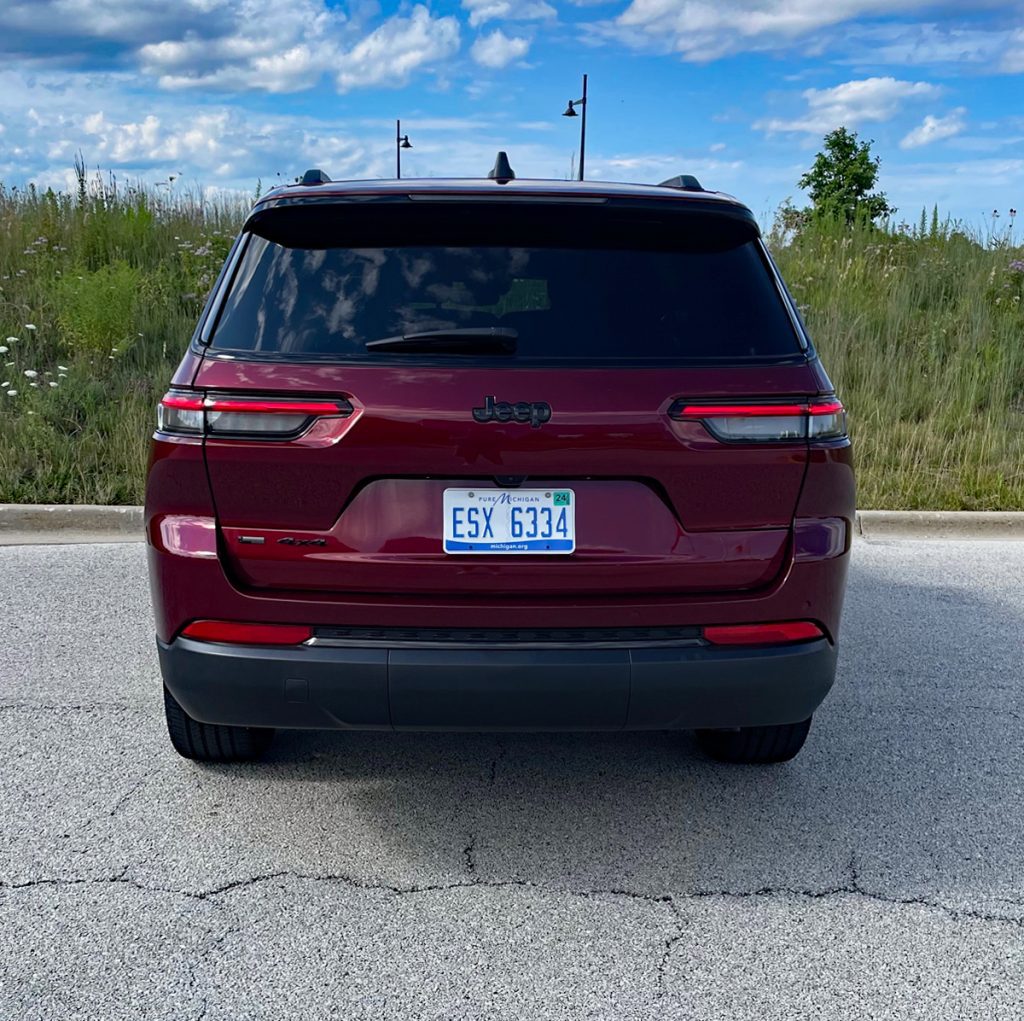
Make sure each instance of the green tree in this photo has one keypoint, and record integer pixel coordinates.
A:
(841, 179)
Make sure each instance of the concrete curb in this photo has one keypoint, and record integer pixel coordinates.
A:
(882, 524)
(26, 523)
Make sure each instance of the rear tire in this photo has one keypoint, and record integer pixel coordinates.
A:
(755, 745)
(212, 742)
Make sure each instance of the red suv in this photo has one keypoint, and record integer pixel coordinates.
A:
(498, 455)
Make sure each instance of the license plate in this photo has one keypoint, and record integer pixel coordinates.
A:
(509, 521)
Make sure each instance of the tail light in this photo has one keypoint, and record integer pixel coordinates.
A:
(763, 634)
(779, 422)
(232, 633)
(251, 417)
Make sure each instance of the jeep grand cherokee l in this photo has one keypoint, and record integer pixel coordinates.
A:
(498, 454)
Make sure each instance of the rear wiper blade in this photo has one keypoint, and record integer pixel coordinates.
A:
(473, 340)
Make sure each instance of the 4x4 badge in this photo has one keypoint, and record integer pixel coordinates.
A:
(536, 413)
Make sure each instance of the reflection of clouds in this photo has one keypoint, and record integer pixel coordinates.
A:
(331, 300)
(414, 267)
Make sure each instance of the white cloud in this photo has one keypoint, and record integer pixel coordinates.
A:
(507, 10)
(231, 45)
(934, 129)
(852, 103)
(915, 45)
(704, 30)
(1013, 58)
(389, 55)
(498, 50)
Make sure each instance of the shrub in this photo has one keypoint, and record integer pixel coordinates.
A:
(96, 309)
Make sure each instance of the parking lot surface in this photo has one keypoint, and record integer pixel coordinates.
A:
(441, 876)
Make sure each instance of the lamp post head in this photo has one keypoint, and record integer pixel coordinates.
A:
(570, 110)
(405, 143)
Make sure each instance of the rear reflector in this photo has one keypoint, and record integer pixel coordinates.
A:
(763, 634)
(819, 538)
(767, 422)
(247, 634)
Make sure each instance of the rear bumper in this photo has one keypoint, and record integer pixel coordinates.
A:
(439, 688)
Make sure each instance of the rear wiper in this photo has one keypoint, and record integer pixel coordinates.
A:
(473, 340)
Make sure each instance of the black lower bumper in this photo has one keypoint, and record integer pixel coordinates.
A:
(663, 688)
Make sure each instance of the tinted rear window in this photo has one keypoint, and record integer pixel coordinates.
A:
(651, 304)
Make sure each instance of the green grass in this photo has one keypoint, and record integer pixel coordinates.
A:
(113, 280)
(922, 332)
(923, 336)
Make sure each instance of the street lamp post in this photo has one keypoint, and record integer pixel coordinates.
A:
(571, 112)
(401, 142)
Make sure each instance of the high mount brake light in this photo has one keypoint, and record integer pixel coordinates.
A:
(767, 422)
(259, 417)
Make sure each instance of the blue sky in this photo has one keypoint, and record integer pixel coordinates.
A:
(739, 92)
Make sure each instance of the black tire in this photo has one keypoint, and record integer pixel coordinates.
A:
(755, 745)
(212, 742)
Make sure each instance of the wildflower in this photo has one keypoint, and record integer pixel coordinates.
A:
(36, 385)
(31, 373)
(12, 340)
(53, 384)
(62, 375)
(30, 326)
(12, 393)
(62, 368)
(1017, 266)
(5, 384)
(4, 350)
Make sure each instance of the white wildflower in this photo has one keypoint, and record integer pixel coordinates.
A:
(12, 393)
(12, 340)
(62, 375)
(5, 384)
(31, 373)
(62, 368)
(30, 326)
(52, 383)
(4, 350)
(36, 385)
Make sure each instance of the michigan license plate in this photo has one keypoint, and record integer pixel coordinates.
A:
(509, 521)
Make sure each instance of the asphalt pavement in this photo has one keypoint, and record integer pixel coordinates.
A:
(444, 876)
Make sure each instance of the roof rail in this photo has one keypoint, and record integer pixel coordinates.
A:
(314, 176)
(684, 182)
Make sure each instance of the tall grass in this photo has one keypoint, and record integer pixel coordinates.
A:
(922, 331)
(99, 294)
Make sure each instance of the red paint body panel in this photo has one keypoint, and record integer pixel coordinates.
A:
(674, 527)
(389, 540)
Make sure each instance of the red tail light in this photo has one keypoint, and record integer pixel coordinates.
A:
(233, 633)
(246, 417)
(763, 634)
(767, 422)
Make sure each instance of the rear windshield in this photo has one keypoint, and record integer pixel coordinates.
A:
(565, 304)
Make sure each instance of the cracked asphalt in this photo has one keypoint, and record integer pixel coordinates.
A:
(880, 875)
